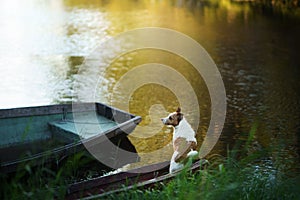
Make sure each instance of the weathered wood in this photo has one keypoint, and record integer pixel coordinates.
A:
(143, 177)
(116, 180)
(102, 109)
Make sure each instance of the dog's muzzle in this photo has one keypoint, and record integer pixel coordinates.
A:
(164, 120)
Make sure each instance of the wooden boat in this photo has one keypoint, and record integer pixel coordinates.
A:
(143, 177)
(51, 133)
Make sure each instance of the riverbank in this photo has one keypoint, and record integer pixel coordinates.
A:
(247, 172)
(253, 177)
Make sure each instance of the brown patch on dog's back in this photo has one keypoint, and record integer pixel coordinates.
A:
(183, 147)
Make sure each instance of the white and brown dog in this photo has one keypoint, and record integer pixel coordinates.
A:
(184, 141)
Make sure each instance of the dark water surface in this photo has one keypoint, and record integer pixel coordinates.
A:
(43, 46)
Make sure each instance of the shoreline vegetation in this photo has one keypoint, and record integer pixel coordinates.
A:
(247, 172)
(252, 177)
(226, 179)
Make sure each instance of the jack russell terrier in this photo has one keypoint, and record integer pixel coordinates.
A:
(184, 141)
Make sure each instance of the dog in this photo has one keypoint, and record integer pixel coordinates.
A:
(184, 141)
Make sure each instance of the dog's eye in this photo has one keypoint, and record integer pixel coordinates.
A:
(170, 118)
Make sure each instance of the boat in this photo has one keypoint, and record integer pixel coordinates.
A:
(52, 133)
(143, 177)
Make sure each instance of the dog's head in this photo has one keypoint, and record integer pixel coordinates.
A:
(173, 119)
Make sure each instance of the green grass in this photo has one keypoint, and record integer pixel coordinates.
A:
(239, 175)
(47, 181)
(245, 173)
(223, 179)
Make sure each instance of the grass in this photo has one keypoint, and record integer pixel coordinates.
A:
(243, 174)
(46, 181)
(239, 175)
(224, 179)
(223, 182)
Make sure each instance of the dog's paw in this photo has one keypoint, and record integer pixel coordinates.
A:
(175, 167)
(193, 154)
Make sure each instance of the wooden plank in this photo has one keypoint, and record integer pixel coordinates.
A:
(142, 173)
(124, 181)
(42, 110)
(56, 109)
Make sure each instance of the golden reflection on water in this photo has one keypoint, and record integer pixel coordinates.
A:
(222, 22)
(150, 100)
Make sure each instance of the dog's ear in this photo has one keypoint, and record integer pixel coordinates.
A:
(180, 116)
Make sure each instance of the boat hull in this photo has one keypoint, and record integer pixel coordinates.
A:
(42, 134)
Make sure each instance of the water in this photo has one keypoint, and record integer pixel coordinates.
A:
(44, 46)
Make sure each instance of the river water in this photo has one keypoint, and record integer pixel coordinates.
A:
(45, 44)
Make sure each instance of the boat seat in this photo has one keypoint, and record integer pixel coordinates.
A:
(85, 126)
(64, 131)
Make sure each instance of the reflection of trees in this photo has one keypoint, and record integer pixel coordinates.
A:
(74, 63)
(285, 7)
(283, 4)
